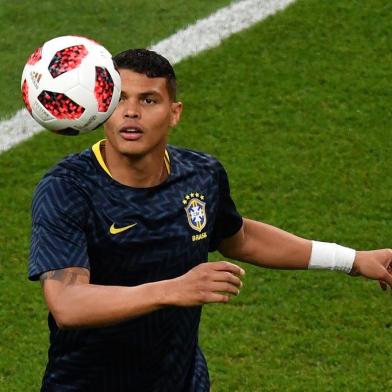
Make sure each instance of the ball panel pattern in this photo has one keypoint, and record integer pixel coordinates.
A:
(35, 57)
(60, 106)
(67, 132)
(66, 59)
(25, 93)
(104, 87)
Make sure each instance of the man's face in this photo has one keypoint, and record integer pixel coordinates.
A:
(140, 124)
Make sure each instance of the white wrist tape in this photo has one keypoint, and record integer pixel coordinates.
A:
(326, 255)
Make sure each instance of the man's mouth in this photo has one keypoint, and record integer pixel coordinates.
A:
(131, 133)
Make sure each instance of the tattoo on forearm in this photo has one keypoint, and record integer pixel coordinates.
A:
(66, 276)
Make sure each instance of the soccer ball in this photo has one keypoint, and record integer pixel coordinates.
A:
(70, 85)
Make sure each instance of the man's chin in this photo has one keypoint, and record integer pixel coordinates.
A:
(132, 150)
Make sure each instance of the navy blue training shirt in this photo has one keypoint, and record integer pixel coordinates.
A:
(128, 236)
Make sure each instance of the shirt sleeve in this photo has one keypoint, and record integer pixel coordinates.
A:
(228, 221)
(58, 239)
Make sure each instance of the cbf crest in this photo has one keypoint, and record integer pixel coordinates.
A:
(195, 209)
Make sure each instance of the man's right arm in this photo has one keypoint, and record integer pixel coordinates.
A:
(76, 303)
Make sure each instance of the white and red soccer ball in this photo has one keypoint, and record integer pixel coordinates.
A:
(70, 85)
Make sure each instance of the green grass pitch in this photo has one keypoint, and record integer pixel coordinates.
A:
(298, 108)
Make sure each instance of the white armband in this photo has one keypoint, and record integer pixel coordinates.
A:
(326, 255)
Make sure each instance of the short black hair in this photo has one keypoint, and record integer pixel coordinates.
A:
(149, 63)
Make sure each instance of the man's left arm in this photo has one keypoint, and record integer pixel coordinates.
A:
(268, 246)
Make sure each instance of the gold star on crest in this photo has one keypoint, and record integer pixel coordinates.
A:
(191, 196)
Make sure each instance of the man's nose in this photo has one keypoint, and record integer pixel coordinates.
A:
(132, 110)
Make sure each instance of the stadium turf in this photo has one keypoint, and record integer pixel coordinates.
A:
(298, 108)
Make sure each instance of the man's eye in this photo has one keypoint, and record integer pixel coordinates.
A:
(149, 101)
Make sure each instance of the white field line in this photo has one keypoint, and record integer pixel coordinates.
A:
(202, 35)
(210, 32)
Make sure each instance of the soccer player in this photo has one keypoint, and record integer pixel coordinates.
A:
(120, 242)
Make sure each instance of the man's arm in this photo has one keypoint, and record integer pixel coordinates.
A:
(267, 246)
(76, 303)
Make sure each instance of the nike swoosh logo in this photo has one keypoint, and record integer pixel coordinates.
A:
(116, 230)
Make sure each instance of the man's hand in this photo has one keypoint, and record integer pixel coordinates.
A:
(374, 264)
(206, 283)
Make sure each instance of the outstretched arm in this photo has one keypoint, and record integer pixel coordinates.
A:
(267, 246)
(76, 303)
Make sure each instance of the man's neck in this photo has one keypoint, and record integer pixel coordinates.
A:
(138, 172)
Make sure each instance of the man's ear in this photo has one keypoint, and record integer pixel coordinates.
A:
(175, 115)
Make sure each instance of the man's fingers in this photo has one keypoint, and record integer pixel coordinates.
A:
(223, 276)
(223, 287)
(217, 298)
(226, 266)
(210, 282)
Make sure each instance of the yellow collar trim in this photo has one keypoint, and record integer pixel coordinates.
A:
(97, 152)
(167, 162)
